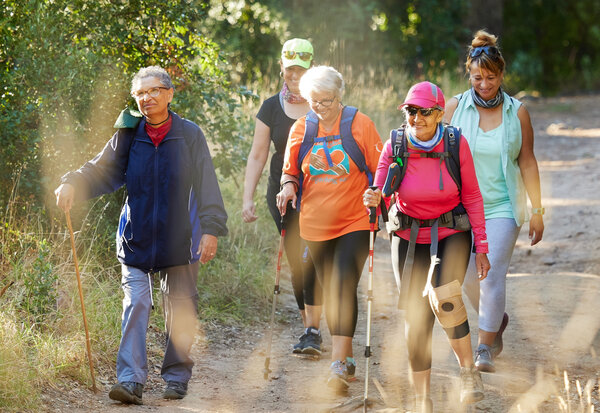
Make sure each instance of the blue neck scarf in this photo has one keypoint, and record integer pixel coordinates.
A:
(427, 146)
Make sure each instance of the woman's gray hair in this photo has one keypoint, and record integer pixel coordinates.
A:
(322, 79)
(153, 71)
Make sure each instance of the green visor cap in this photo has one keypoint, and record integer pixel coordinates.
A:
(297, 52)
(128, 118)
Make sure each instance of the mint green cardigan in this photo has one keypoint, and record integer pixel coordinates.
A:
(466, 117)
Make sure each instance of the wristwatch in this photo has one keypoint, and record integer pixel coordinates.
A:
(538, 211)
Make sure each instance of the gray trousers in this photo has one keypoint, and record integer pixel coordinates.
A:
(488, 297)
(180, 306)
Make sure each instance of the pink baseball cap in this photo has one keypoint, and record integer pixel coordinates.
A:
(424, 95)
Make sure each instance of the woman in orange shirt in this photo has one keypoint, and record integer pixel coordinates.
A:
(333, 220)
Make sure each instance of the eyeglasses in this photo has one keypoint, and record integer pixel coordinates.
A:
(325, 102)
(152, 92)
(491, 51)
(290, 54)
(412, 111)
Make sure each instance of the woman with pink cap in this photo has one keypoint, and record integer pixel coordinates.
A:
(431, 244)
(273, 122)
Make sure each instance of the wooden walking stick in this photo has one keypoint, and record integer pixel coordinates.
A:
(87, 333)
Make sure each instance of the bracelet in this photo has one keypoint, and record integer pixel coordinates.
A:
(288, 182)
(538, 211)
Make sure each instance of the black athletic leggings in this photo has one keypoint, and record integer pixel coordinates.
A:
(339, 263)
(454, 252)
(307, 288)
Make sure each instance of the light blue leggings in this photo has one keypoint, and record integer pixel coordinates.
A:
(488, 297)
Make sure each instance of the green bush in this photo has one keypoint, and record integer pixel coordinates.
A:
(40, 283)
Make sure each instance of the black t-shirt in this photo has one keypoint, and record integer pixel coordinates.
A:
(272, 114)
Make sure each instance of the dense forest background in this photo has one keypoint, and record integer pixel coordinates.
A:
(65, 65)
(65, 71)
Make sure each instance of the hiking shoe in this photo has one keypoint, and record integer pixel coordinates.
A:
(483, 359)
(423, 404)
(351, 366)
(299, 346)
(471, 386)
(127, 392)
(312, 342)
(497, 344)
(175, 390)
(338, 376)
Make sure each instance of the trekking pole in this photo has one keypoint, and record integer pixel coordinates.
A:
(87, 333)
(266, 370)
(372, 220)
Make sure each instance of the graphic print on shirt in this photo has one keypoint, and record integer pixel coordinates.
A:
(328, 160)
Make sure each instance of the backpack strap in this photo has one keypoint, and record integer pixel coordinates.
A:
(399, 149)
(452, 148)
(311, 128)
(349, 143)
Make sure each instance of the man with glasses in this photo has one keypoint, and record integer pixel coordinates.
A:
(169, 224)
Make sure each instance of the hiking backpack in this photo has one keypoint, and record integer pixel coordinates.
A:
(400, 155)
(348, 143)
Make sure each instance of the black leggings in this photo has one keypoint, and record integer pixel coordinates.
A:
(339, 263)
(307, 288)
(454, 252)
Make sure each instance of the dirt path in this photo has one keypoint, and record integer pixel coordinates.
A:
(553, 291)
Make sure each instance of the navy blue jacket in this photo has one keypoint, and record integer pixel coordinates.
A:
(173, 194)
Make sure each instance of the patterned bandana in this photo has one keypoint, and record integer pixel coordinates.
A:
(290, 97)
(488, 104)
(427, 146)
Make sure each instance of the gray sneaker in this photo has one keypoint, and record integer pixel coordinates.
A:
(299, 346)
(483, 359)
(312, 342)
(471, 386)
(338, 376)
(497, 345)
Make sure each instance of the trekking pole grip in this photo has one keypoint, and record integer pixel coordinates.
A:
(373, 210)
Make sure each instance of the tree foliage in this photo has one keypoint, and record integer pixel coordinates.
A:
(65, 68)
(555, 44)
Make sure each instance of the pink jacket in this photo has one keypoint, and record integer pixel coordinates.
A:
(419, 194)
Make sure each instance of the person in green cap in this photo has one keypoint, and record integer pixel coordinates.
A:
(275, 117)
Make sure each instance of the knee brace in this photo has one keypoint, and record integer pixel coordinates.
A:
(447, 304)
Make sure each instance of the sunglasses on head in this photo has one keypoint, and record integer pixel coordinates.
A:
(290, 54)
(412, 111)
(491, 51)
